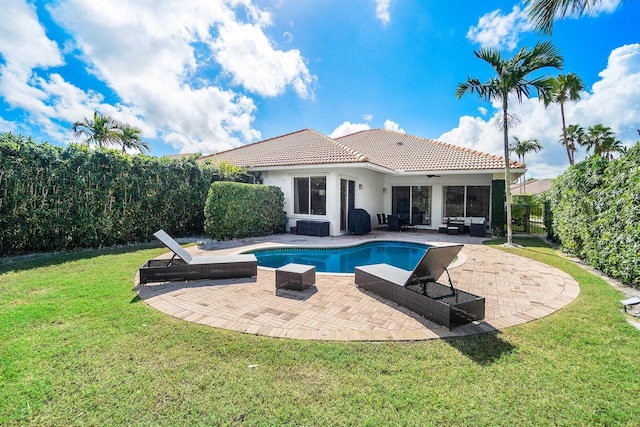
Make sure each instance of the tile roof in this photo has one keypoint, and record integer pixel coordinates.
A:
(386, 148)
(305, 147)
(401, 151)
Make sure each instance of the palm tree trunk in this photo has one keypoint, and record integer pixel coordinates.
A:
(507, 174)
(564, 135)
(524, 178)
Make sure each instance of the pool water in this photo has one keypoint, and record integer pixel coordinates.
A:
(404, 255)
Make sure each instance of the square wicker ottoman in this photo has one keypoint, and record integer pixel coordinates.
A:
(296, 277)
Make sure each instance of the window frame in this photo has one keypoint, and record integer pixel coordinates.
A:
(315, 195)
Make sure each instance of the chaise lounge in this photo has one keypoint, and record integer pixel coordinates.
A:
(183, 266)
(418, 290)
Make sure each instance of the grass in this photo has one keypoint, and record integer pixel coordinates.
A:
(78, 348)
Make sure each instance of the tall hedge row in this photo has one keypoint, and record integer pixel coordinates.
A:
(235, 210)
(54, 198)
(596, 214)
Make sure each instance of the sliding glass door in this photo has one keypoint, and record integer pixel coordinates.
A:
(413, 203)
(347, 201)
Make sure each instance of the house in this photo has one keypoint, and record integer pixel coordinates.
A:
(532, 186)
(377, 170)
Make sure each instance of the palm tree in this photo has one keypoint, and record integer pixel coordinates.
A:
(101, 131)
(603, 141)
(543, 12)
(595, 137)
(512, 78)
(571, 138)
(131, 137)
(565, 87)
(610, 146)
(520, 147)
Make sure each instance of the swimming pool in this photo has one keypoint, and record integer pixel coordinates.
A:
(344, 259)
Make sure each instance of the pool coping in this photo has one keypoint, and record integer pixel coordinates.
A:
(461, 257)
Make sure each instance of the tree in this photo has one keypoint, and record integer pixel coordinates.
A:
(603, 141)
(131, 137)
(512, 78)
(520, 147)
(571, 138)
(543, 12)
(565, 87)
(101, 131)
(595, 137)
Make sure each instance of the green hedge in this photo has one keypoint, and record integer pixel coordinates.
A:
(235, 210)
(54, 198)
(498, 212)
(596, 214)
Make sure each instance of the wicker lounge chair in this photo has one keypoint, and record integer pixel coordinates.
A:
(418, 290)
(184, 266)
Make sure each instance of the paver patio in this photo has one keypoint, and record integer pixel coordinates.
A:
(517, 290)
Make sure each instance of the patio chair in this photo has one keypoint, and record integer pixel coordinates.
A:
(393, 223)
(184, 266)
(419, 291)
(382, 223)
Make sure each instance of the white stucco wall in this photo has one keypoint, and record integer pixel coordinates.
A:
(372, 191)
(368, 192)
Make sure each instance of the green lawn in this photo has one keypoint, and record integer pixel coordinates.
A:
(78, 348)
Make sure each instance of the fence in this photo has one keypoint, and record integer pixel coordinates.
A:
(528, 219)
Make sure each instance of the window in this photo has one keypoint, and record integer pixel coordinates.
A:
(478, 201)
(453, 200)
(412, 202)
(421, 205)
(466, 201)
(310, 195)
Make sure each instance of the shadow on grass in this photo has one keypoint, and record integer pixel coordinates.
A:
(28, 262)
(484, 349)
(527, 242)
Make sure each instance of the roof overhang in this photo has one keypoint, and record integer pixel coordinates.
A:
(515, 172)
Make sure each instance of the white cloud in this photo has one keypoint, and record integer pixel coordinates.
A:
(157, 58)
(604, 6)
(19, 26)
(248, 56)
(348, 128)
(613, 101)
(391, 125)
(6, 126)
(24, 46)
(497, 30)
(382, 11)
(593, 8)
(500, 31)
(367, 117)
(483, 111)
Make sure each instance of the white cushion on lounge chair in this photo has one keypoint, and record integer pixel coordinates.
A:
(198, 260)
(221, 259)
(387, 272)
(173, 245)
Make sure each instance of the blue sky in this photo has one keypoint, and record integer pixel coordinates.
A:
(209, 75)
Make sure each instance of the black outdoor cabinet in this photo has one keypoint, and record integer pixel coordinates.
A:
(312, 228)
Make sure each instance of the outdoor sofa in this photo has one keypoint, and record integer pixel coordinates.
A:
(419, 291)
(183, 266)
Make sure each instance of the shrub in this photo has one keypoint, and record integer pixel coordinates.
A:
(54, 198)
(235, 210)
(596, 214)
